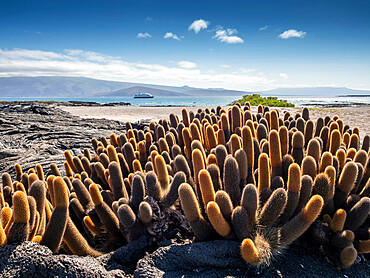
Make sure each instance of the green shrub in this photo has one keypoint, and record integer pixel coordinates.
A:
(256, 99)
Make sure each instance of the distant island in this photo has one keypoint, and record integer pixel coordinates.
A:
(83, 87)
(355, 96)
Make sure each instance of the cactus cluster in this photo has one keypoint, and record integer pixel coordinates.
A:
(260, 179)
(266, 181)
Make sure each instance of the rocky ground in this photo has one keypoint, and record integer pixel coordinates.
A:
(34, 132)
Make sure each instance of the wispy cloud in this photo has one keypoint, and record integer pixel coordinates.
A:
(148, 19)
(170, 35)
(17, 54)
(244, 70)
(78, 54)
(292, 33)
(143, 35)
(283, 75)
(227, 36)
(33, 32)
(75, 62)
(187, 65)
(198, 25)
(263, 28)
(225, 66)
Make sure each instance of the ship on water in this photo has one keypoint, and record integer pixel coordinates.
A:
(143, 95)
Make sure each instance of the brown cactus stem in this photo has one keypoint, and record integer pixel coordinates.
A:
(38, 191)
(116, 180)
(305, 193)
(345, 184)
(76, 243)
(191, 209)
(105, 213)
(358, 214)
(240, 221)
(69, 159)
(232, 179)
(348, 256)
(248, 147)
(294, 187)
(300, 223)
(274, 206)
(82, 194)
(224, 202)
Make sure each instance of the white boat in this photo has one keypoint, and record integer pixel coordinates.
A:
(143, 95)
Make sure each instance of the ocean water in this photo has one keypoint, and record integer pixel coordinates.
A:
(156, 101)
(298, 101)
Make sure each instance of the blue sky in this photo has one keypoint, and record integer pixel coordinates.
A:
(248, 45)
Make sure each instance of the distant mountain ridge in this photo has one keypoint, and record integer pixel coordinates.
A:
(130, 92)
(65, 87)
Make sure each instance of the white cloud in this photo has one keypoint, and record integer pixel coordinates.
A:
(228, 36)
(264, 28)
(169, 35)
(143, 35)
(225, 66)
(75, 62)
(77, 54)
(283, 75)
(187, 65)
(244, 70)
(148, 19)
(17, 53)
(33, 32)
(198, 25)
(292, 33)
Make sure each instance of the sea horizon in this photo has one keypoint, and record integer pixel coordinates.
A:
(191, 101)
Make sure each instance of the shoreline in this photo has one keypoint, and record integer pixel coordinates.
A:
(353, 116)
(121, 103)
(123, 112)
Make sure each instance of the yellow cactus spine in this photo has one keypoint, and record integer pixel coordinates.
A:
(346, 182)
(326, 160)
(300, 223)
(284, 140)
(235, 118)
(18, 171)
(249, 251)
(263, 172)
(206, 186)
(335, 141)
(69, 159)
(309, 167)
(337, 223)
(234, 143)
(19, 230)
(185, 117)
(54, 232)
(162, 172)
(192, 213)
(105, 213)
(294, 187)
(275, 153)
(217, 220)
